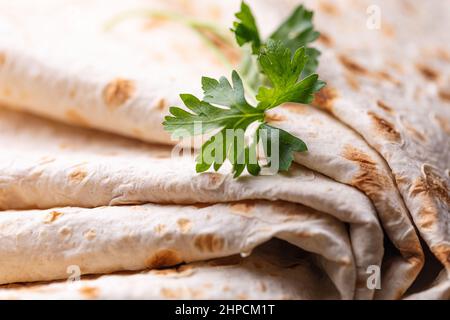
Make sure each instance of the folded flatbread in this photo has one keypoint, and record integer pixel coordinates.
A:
(52, 165)
(64, 78)
(108, 239)
(268, 273)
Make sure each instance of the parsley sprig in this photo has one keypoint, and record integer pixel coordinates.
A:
(284, 66)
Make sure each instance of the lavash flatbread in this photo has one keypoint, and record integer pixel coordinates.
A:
(43, 244)
(121, 100)
(392, 88)
(268, 273)
(353, 169)
(52, 165)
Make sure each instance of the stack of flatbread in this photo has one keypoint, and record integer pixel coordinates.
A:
(95, 205)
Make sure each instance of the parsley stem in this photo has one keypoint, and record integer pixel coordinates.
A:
(195, 24)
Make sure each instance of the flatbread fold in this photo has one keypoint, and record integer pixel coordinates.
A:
(265, 274)
(378, 148)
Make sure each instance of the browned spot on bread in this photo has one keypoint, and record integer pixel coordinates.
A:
(325, 39)
(352, 81)
(384, 127)
(414, 132)
(170, 293)
(387, 30)
(52, 216)
(296, 108)
(2, 58)
(409, 7)
(274, 117)
(368, 179)
(356, 155)
(78, 175)
(384, 75)
(325, 98)
(328, 8)
(443, 54)
(444, 95)
(244, 208)
(226, 261)
(163, 258)
(442, 252)
(90, 234)
(401, 179)
(184, 225)
(117, 92)
(242, 296)
(161, 105)
(214, 179)
(226, 47)
(428, 72)
(155, 22)
(159, 228)
(443, 123)
(76, 118)
(209, 243)
(427, 216)
(195, 293)
(65, 231)
(352, 66)
(384, 106)
(431, 184)
(89, 292)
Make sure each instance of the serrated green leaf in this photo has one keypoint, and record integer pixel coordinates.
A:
(280, 71)
(245, 29)
(298, 31)
(284, 74)
(287, 145)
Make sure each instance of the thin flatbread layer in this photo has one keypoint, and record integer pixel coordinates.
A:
(119, 92)
(392, 87)
(268, 273)
(128, 118)
(41, 245)
(50, 165)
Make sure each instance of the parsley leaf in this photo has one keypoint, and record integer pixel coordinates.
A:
(295, 32)
(225, 113)
(288, 144)
(284, 74)
(298, 31)
(238, 115)
(245, 29)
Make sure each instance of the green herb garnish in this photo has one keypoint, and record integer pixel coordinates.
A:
(284, 67)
